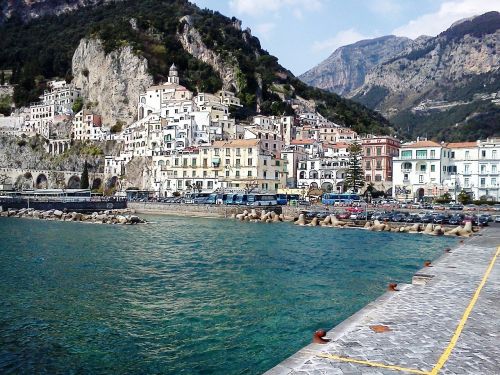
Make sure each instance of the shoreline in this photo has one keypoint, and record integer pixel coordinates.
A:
(374, 312)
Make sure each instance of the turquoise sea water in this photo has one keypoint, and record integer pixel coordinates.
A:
(184, 295)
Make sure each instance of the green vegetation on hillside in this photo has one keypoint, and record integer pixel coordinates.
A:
(44, 48)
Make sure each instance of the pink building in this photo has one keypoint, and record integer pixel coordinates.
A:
(378, 152)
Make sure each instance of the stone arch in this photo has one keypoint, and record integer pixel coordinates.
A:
(420, 193)
(96, 183)
(42, 181)
(302, 175)
(313, 185)
(313, 174)
(73, 182)
(327, 187)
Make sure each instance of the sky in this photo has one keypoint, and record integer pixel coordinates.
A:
(302, 33)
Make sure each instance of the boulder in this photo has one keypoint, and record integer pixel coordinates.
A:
(314, 222)
(301, 220)
(58, 213)
(428, 229)
(121, 219)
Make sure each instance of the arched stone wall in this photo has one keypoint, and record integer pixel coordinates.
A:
(42, 181)
(73, 182)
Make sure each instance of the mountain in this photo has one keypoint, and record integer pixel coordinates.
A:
(346, 68)
(444, 87)
(210, 50)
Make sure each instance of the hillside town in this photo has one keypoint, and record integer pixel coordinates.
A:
(190, 142)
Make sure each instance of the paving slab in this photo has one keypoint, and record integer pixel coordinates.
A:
(422, 318)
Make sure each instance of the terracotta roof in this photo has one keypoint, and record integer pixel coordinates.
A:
(462, 145)
(338, 145)
(237, 143)
(302, 142)
(422, 144)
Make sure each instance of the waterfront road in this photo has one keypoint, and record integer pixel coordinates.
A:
(446, 322)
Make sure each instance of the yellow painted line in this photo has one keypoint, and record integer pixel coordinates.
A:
(373, 364)
(446, 354)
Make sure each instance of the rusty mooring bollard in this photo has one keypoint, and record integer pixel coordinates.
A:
(392, 287)
(318, 337)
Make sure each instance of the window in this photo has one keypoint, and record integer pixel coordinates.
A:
(379, 152)
(493, 181)
(184, 173)
(237, 162)
(227, 173)
(493, 168)
(423, 168)
(265, 174)
(228, 152)
(237, 173)
(406, 154)
(433, 168)
(210, 184)
(494, 154)
(238, 152)
(193, 162)
(368, 151)
(368, 178)
(249, 162)
(250, 151)
(466, 182)
(453, 154)
(421, 154)
(483, 153)
(466, 168)
(483, 182)
(433, 154)
(368, 165)
(379, 164)
(193, 174)
(405, 177)
(265, 162)
(184, 162)
(421, 179)
(176, 162)
(467, 155)
(228, 161)
(205, 163)
(205, 173)
(249, 173)
(378, 177)
(216, 151)
(483, 168)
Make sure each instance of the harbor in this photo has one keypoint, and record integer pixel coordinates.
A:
(445, 321)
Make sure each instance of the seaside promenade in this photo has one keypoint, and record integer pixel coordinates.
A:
(446, 322)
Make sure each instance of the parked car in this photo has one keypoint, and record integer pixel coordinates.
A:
(497, 219)
(343, 215)
(456, 207)
(456, 219)
(427, 219)
(440, 219)
(413, 218)
(398, 217)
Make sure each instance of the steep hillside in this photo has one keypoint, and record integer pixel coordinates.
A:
(210, 50)
(445, 87)
(346, 68)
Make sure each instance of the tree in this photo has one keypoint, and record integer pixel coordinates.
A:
(354, 177)
(464, 198)
(84, 180)
(2, 78)
(77, 105)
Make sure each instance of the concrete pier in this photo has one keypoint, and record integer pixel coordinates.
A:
(446, 322)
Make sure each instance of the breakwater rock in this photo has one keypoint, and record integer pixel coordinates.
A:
(375, 226)
(123, 217)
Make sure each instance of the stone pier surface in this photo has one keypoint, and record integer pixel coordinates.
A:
(450, 314)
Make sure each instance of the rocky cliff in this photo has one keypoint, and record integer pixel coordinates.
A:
(192, 42)
(346, 68)
(27, 10)
(111, 81)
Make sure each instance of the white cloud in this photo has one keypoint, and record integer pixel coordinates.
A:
(386, 7)
(340, 39)
(259, 7)
(448, 13)
(263, 30)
